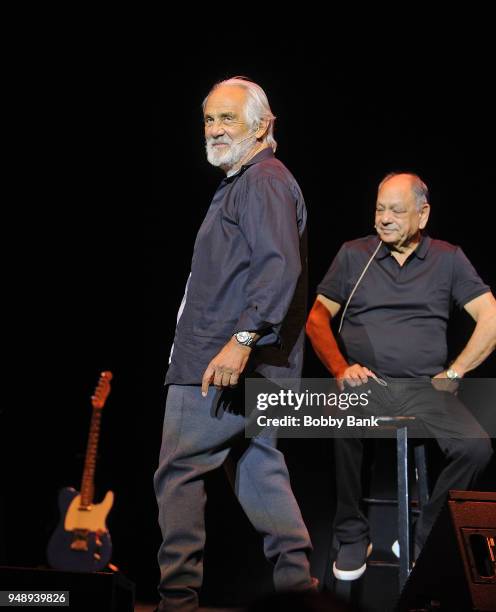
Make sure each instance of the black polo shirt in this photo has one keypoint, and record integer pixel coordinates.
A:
(397, 319)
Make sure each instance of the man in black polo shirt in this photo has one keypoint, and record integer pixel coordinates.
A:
(396, 290)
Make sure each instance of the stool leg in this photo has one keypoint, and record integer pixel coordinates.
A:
(403, 504)
(422, 483)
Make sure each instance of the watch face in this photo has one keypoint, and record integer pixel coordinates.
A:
(243, 336)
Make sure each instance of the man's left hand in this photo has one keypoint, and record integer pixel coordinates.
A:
(225, 368)
(441, 382)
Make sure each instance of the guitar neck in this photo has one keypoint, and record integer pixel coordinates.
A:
(88, 481)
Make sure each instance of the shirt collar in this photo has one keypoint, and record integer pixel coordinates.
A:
(264, 154)
(420, 251)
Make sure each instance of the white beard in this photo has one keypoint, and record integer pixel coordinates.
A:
(232, 155)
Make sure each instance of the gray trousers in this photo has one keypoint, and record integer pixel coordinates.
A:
(198, 435)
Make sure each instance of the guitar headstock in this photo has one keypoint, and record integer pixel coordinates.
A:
(102, 390)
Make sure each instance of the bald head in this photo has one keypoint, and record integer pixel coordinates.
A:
(402, 210)
(413, 182)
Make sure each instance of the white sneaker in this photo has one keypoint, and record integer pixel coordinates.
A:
(351, 561)
(396, 549)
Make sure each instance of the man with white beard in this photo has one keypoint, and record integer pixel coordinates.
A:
(243, 312)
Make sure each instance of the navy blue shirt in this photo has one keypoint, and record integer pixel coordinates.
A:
(397, 319)
(248, 273)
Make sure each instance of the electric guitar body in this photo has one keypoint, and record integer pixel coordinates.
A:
(81, 542)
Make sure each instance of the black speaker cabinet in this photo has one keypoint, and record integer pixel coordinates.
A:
(88, 592)
(456, 570)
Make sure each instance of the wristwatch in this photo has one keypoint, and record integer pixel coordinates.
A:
(244, 337)
(452, 374)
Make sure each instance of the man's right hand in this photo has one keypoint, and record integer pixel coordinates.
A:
(354, 376)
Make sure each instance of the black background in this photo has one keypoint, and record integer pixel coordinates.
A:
(112, 254)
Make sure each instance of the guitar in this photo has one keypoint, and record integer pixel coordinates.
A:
(81, 542)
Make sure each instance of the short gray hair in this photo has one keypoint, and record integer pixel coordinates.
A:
(419, 188)
(257, 106)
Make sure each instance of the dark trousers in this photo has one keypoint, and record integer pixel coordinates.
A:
(198, 435)
(440, 415)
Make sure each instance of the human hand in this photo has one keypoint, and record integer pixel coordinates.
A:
(354, 376)
(441, 382)
(226, 367)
